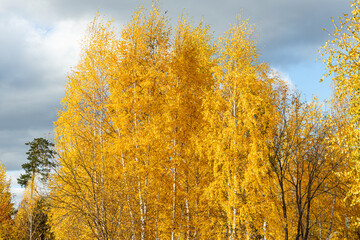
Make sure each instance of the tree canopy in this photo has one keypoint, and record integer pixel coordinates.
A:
(168, 133)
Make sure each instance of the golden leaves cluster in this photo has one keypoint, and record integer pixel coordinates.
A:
(342, 58)
(167, 134)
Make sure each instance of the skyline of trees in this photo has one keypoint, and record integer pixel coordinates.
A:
(168, 133)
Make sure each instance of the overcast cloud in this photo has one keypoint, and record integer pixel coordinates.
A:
(39, 42)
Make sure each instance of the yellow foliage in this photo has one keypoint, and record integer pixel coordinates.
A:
(166, 134)
(6, 206)
(341, 56)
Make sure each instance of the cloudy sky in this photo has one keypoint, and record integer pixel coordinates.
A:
(39, 43)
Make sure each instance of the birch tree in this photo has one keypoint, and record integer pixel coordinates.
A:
(239, 112)
(82, 187)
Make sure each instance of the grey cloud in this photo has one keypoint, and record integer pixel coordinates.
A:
(31, 84)
(25, 109)
(13, 149)
(278, 22)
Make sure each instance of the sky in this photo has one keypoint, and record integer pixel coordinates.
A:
(40, 42)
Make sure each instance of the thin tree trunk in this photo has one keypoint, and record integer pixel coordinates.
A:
(307, 228)
(332, 218)
(174, 205)
(188, 230)
(320, 222)
(142, 211)
(286, 230)
(31, 207)
(157, 216)
(132, 227)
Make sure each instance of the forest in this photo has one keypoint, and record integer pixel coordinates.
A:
(168, 133)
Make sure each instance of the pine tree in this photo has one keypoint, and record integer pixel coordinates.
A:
(40, 156)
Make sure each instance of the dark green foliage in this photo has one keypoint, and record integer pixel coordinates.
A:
(38, 221)
(39, 158)
(43, 230)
